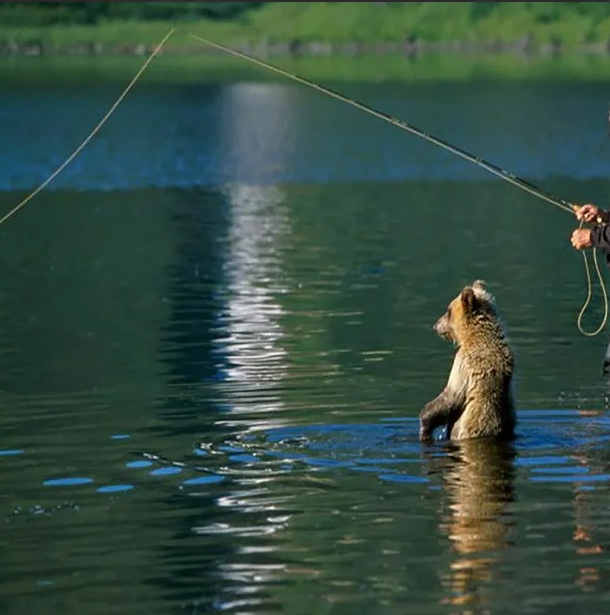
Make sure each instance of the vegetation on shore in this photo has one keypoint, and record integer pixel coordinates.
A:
(113, 23)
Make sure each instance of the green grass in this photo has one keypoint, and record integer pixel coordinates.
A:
(570, 22)
(118, 33)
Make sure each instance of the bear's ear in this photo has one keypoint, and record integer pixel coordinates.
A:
(469, 299)
(479, 285)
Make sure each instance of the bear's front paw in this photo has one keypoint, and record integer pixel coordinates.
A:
(424, 434)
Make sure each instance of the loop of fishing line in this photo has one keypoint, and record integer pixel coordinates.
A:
(590, 294)
(499, 172)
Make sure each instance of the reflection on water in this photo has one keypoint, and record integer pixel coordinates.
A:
(254, 120)
(257, 133)
(250, 342)
(479, 486)
(216, 338)
(586, 544)
(252, 336)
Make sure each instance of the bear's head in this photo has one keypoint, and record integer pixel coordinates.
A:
(474, 302)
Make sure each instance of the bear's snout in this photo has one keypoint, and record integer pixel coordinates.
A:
(442, 327)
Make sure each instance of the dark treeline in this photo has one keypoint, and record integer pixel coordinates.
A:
(90, 13)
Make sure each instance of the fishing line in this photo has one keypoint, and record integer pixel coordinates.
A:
(404, 126)
(95, 130)
(499, 172)
(590, 294)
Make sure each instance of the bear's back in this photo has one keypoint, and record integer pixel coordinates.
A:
(488, 363)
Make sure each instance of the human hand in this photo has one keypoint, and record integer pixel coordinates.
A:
(587, 212)
(581, 238)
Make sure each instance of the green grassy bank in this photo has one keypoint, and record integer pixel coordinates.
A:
(571, 23)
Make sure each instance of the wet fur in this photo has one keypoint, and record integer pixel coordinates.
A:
(478, 399)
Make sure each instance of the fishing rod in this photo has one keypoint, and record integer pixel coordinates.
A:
(499, 172)
(492, 168)
(488, 166)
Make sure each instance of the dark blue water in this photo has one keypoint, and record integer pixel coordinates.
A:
(215, 339)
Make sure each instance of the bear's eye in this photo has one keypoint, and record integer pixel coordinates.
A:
(449, 311)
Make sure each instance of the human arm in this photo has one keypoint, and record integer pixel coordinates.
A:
(600, 238)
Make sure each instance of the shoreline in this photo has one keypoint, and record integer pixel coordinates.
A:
(406, 62)
(411, 48)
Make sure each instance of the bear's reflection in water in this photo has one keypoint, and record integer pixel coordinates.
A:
(478, 477)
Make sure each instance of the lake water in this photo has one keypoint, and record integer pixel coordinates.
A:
(215, 339)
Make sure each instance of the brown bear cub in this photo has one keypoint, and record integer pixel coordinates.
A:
(477, 401)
